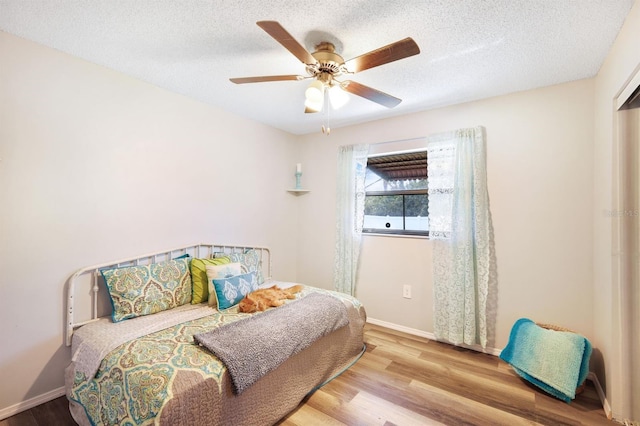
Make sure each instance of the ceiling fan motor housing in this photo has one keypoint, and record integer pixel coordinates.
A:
(329, 62)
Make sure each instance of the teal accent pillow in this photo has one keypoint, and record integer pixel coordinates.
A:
(226, 270)
(251, 260)
(146, 289)
(231, 290)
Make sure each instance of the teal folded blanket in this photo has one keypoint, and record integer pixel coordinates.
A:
(555, 361)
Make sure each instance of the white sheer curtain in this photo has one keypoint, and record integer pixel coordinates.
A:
(352, 165)
(459, 224)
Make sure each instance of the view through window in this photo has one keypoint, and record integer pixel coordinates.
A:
(396, 200)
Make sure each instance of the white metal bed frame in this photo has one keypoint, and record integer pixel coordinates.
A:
(202, 250)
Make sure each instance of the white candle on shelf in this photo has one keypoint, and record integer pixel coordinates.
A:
(298, 168)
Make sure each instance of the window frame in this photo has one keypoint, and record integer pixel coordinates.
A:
(398, 232)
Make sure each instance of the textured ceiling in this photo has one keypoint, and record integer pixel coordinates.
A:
(470, 49)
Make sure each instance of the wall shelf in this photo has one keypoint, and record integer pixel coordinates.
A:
(297, 191)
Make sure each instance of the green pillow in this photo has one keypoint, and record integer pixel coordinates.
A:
(200, 285)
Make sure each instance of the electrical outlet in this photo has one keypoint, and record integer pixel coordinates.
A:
(406, 291)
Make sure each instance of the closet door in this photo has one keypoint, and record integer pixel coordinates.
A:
(628, 219)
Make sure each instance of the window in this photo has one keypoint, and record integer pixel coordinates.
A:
(396, 200)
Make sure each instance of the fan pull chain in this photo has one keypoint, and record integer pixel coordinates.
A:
(327, 108)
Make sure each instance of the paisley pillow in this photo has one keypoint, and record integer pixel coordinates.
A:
(147, 289)
(251, 260)
(231, 290)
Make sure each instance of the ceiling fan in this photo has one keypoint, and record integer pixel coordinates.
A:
(325, 65)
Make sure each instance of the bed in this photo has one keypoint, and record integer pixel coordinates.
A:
(149, 368)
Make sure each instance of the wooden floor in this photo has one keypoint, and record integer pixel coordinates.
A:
(408, 380)
(52, 413)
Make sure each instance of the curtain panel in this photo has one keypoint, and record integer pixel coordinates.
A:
(350, 193)
(460, 227)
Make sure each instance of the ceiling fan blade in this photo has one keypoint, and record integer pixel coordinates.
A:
(370, 93)
(261, 79)
(308, 110)
(383, 55)
(275, 30)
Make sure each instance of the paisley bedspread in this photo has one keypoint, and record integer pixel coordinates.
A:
(166, 378)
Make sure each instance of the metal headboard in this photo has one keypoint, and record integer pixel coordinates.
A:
(95, 303)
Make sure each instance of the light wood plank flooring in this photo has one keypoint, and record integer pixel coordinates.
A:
(408, 380)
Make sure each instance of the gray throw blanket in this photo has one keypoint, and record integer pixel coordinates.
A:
(252, 347)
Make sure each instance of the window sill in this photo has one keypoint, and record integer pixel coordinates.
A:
(374, 234)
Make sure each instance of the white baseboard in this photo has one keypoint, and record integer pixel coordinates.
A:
(31, 402)
(430, 336)
(402, 328)
(603, 398)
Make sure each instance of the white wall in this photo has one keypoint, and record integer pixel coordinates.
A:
(621, 63)
(540, 172)
(97, 166)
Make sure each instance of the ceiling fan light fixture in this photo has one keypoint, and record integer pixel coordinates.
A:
(313, 106)
(338, 97)
(315, 92)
